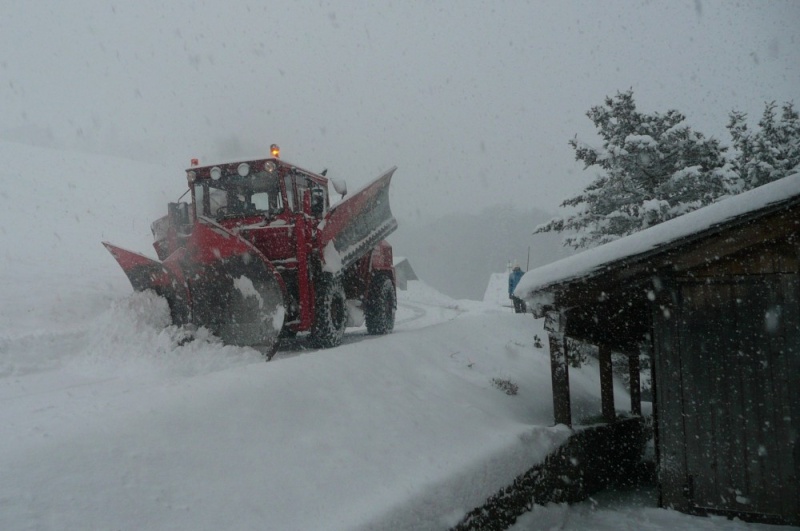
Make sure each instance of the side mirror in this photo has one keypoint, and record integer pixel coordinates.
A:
(339, 185)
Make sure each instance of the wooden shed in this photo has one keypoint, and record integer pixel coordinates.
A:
(714, 298)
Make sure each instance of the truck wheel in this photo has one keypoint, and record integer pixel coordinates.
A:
(381, 307)
(330, 318)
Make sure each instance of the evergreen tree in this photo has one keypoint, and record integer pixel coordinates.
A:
(652, 168)
(768, 154)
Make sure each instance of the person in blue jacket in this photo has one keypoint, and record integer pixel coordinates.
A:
(513, 280)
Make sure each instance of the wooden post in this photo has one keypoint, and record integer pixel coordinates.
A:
(636, 390)
(559, 368)
(607, 384)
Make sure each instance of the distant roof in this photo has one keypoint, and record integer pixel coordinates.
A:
(497, 290)
(650, 241)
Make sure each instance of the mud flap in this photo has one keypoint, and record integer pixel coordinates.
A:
(358, 223)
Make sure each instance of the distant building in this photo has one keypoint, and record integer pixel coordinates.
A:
(714, 297)
(403, 272)
(497, 290)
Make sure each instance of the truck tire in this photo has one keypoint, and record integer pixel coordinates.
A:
(330, 319)
(381, 306)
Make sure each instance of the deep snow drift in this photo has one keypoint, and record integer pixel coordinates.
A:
(110, 422)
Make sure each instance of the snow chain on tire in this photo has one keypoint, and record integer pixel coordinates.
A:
(381, 306)
(330, 319)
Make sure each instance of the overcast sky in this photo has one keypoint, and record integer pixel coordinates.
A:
(473, 101)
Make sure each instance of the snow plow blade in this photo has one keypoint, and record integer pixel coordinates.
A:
(218, 281)
(235, 291)
(358, 223)
(145, 273)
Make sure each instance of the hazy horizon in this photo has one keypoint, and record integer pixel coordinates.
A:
(473, 101)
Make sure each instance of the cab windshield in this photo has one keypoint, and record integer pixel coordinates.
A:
(257, 194)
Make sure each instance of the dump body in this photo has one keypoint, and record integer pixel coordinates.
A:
(260, 252)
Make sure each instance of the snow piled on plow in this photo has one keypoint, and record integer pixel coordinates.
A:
(133, 335)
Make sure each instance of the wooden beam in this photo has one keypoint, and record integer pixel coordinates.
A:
(555, 323)
(607, 384)
(636, 390)
(559, 373)
(777, 226)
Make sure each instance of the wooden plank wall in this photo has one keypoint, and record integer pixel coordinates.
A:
(729, 410)
(666, 361)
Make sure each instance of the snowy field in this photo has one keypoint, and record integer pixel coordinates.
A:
(109, 422)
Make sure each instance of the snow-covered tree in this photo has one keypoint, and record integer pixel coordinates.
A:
(652, 168)
(768, 153)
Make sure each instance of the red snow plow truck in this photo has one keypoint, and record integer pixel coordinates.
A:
(260, 254)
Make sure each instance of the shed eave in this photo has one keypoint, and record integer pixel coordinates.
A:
(564, 273)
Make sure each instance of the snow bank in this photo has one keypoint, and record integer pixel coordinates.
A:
(57, 207)
(384, 433)
(633, 509)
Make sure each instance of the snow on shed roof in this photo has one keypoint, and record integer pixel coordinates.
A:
(598, 259)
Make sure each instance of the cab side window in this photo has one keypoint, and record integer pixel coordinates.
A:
(318, 199)
(288, 182)
(303, 185)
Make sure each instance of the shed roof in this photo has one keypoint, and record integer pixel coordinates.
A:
(660, 238)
